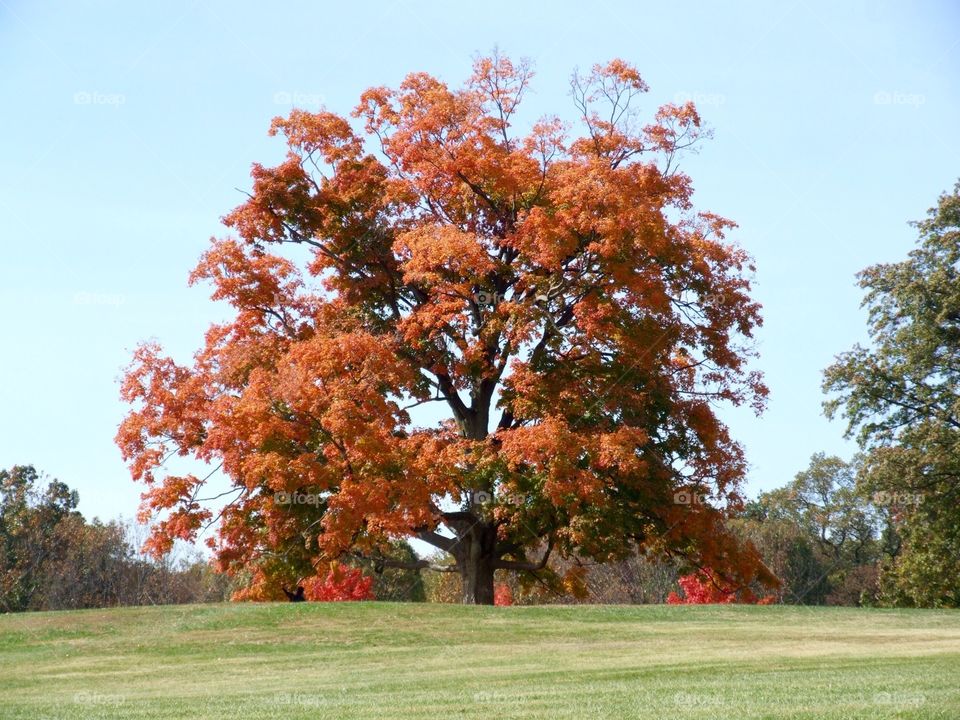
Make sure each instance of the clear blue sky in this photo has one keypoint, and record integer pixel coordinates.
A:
(126, 131)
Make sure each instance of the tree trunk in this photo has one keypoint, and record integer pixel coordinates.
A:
(477, 583)
(475, 553)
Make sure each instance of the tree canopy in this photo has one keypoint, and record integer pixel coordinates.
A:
(901, 397)
(555, 291)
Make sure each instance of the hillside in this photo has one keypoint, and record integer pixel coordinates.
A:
(381, 660)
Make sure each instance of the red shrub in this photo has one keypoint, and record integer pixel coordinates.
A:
(502, 595)
(341, 583)
(705, 588)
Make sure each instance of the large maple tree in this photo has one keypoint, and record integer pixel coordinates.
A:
(556, 293)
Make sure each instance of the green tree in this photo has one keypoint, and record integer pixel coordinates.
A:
(51, 558)
(901, 399)
(819, 534)
(790, 553)
(826, 501)
(29, 518)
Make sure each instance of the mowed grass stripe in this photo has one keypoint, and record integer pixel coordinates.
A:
(382, 660)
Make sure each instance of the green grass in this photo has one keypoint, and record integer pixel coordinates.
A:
(382, 660)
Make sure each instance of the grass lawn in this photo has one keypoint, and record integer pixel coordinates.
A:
(384, 660)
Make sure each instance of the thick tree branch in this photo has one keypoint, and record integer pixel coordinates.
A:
(520, 565)
(437, 540)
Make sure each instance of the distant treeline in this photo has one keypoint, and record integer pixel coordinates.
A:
(51, 558)
(826, 539)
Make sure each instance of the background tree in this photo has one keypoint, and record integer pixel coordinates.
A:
(635, 579)
(51, 558)
(30, 518)
(824, 500)
(901, 397)
(819, 534)
(790, 552)
(559, 296)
